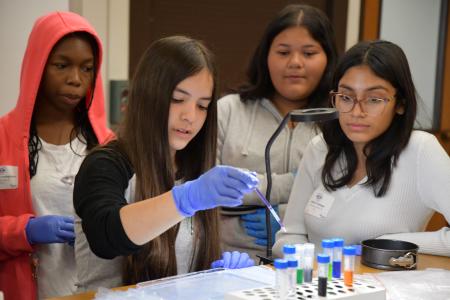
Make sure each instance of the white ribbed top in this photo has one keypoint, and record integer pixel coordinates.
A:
(420, 185)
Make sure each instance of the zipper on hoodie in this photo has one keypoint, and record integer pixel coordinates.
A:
(288, 154)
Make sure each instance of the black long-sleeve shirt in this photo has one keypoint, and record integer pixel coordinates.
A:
(99, 194)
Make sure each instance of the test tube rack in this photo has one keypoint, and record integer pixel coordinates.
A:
(361, 289)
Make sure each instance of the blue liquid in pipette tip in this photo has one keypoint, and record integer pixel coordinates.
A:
(272, 211)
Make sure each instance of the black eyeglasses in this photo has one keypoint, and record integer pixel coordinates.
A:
(372, 106)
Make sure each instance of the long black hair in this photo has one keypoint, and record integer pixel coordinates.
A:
(387, 61)
(82, 124)
(318, 25)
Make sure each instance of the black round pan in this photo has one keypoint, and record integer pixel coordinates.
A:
(389, 254)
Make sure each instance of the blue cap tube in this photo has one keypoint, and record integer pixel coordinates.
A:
(323, 261)
(349, 264)
(282, 277)
(337, 257)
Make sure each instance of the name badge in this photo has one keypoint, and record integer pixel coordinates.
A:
(8, 177)
(319, 204)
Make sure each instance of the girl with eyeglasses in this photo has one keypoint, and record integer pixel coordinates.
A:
(370, 175)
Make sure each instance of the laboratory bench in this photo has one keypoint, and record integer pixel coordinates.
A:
(423, 262)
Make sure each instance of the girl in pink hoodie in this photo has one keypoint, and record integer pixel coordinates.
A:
(58, 118)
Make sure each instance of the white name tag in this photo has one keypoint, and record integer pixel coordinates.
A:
(8, 177)
(319, 204)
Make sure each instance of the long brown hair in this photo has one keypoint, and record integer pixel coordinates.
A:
(144, 138)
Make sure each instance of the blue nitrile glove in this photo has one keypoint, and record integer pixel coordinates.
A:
(358, 249)
(220, 186)
(255, 225)
(50, 229)
(233, 260)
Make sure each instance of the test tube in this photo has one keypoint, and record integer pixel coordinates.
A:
(323, 261)
(300, 256)
(337, 257)
(282, 278)
(289, 252)
(349, 264)
(327, 246)
(357, 248)
(292, 273)
(309, 262)
(328, 249)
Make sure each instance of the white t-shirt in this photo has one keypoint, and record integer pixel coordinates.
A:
(52, 192)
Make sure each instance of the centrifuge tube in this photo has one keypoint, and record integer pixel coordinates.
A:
(337, 257)
(349, 264)
(327, 246)
(282, 278)
(323, 260)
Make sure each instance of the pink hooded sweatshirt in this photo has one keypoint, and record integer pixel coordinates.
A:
(16, 273)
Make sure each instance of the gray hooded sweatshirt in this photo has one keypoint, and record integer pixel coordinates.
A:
(243, 132)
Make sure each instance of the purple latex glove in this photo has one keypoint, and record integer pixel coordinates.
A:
(233, 260)
(220, 186)
(50, 229)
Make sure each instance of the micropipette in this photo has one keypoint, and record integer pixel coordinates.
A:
(272, 211)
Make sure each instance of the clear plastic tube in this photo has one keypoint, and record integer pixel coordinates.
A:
(323, 260)
(327, 246)
(292, 273)
(289, 252)
(300, 256)
(282, 278)
(309, 262)
(349, 265)
(337, 257)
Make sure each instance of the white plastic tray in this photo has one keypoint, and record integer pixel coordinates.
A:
(364, 288)
(211, 284)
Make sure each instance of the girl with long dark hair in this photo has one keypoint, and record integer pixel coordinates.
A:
(370, 175)
(291, 68)
(142, 199)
